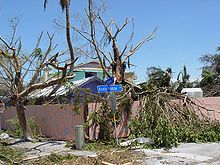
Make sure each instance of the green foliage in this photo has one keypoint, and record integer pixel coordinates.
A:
(212, 61)
(96, 119)
(164, 135)
(199, 133)
(105, 133)
(211, 70)
(158, 77)
(16, 128)
(11, 155)
(100, 145)
(17, 131)
(141, 126)
(208, 77)
(169, 124)
(153, 121)
(76, 108)
(183, 80)
(103, 118)
(55, 158)
(168, 135)
(126, 104)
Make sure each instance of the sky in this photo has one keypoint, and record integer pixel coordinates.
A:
(187, 29)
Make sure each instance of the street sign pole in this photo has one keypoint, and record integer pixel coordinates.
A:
(116, 132)
(112, 102)
(110, 87)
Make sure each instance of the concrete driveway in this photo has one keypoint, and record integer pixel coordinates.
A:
(186, 153)
(41, 149)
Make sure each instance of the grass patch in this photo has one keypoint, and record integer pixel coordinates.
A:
(106, 151)
(54, 159)
(65, 160)
(115, 156)
(100, 146)
(11, 155)
(122, 156)
(94, 145)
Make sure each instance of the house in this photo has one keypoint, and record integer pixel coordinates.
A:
(89, 69)
(87, 76)
(93, 68)
(66, 92)
(81, 71)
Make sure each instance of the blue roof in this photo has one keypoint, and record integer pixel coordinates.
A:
(63, 89)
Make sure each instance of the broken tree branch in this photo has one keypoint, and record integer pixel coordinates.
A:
(146, 39)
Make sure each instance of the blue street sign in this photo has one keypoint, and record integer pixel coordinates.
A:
(109, 81)
(109, 88)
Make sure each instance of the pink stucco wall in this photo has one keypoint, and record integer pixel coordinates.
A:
(207, 106)
(212, 105)
(59, 123)
(55, 121)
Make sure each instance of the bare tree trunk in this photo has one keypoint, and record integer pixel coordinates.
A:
(68, 38)
(118, 67)
(27, 134)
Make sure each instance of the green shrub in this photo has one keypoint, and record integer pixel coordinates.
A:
(164, 135)
(17, 131)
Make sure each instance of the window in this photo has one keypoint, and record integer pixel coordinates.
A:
(90, 74)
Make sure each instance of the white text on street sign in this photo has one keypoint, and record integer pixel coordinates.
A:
(109, 88)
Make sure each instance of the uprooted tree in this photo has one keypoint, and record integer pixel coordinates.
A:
(20, 73)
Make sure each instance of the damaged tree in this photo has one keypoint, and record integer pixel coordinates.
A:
(168, 117)
(21, 74)
(103, 39)
(116, 58)
(65, 5)
(210, 74)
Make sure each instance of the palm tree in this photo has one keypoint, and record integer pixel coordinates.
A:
(182, 80)
(158, 77)
(65, 6)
